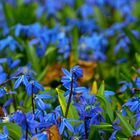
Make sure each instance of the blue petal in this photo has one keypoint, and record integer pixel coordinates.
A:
(25, 81)
(69, 126)
(29, 89)
(5, 130)
(8, 102)
(80, 89)
(66, 72)
(39, 86)
(40, 136)
(18, 82)
(61, 128)
(44, 96)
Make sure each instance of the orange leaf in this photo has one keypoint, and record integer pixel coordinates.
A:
(53, 133)
(88, 69)
(53, 72)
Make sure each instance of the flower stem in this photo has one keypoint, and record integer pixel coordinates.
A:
(69, 100)
(26, 137)
(33, 108)
(85, 125)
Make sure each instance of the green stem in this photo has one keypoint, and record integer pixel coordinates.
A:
(85, 125)
(33, 108)
(69, 100)
(26, 130)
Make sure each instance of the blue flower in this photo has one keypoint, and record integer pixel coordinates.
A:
(3, 75)
(12, 64)
(2, 92)
(133, 104)
(116, 128)
(33, 87)
(93, 47)
(121, 44)
(40, 103)
(3, 60)
(9, 42)
(125, 86)
(122, 60)
(23, 120)
(6, 104)
(4, 135)
(137, 82)
(40, 136)
(90, 109)
(86, 10)
(80, 90)
(108, 93)
(28, 30)
(65, 123)
(52, 7)
(66, 80)
(137, 116)
(77, 71)
(136, 133)
(21, 79)
(54, 116)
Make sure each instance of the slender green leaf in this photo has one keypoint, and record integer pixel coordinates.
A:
(13, 129)
(94, 135)
(50, 50)
(107, 107)
(32, 57)
(101, 20)
(75, 43)
(106, 104)
(101, 89)
(94, 130)
(122, 138)
(103, 126)
(134, 40)
(126, 126)
(62, 100)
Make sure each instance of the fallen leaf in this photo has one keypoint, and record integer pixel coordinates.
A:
(88, 69)
(134, 138)
(53, 133)
(53, 72)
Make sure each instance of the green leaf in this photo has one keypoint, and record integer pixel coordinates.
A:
(75, 43)
(103, 126)
(127, 78)
(122, 138)
(62, 100)
(94, 135)
(101, 89)
(133, 39)
(94, 130)
(107, 107)
(101, 20)
(69, 12)
(126, 126)
(13, 129)
(8, 12)
(32, 57)
(50, 50)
